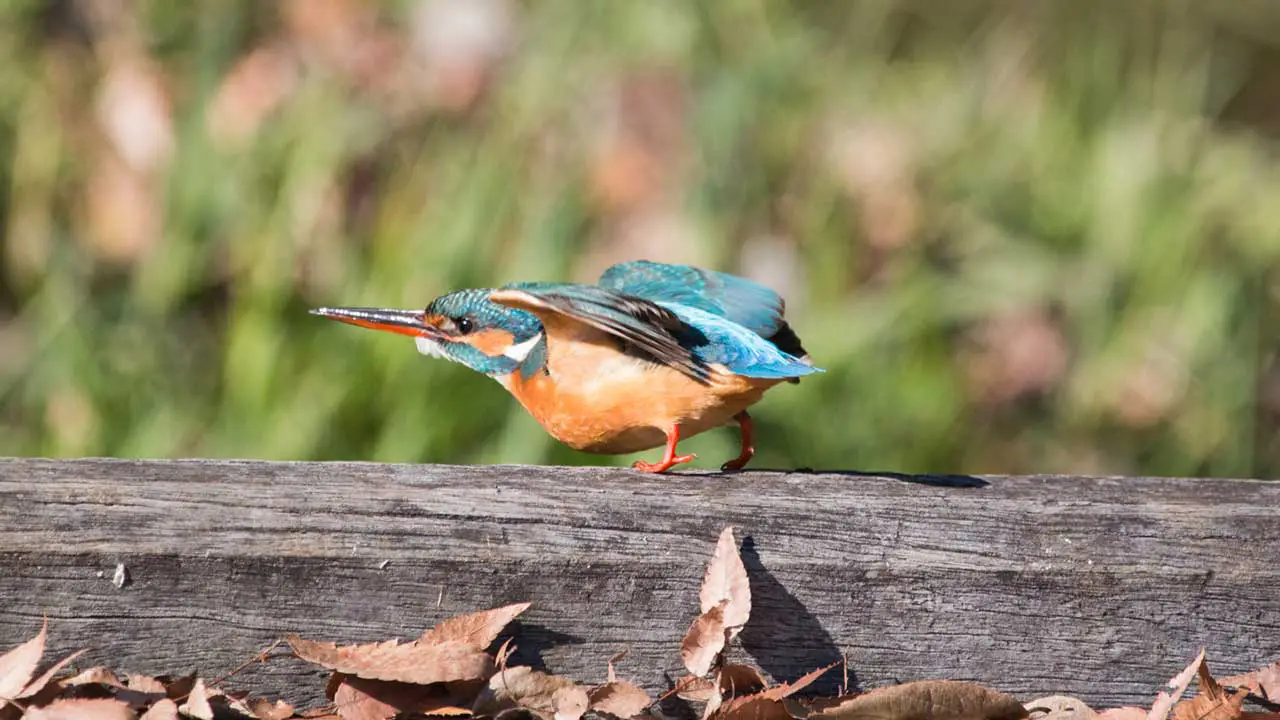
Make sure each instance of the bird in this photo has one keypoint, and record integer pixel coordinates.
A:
(651, 354)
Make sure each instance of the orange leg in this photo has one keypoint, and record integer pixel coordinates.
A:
(748, 446)
(669, 458)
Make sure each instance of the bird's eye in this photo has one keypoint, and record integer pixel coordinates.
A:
(465, 325)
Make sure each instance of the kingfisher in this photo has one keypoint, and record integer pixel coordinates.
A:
(651, 354)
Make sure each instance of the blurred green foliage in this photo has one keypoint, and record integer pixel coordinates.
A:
(1021, 237)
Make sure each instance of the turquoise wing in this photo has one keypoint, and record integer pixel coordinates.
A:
(747, 303)
(743, 352)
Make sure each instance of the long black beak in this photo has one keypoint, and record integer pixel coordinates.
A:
(404, 322)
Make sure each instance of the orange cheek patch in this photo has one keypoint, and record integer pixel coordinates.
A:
(490, 341)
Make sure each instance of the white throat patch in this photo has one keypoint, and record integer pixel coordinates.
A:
(430, 347)
(519, 351)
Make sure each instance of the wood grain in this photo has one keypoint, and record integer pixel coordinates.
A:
(1099, 587)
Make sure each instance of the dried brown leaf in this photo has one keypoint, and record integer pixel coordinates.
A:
(264, 709)
(94, 676)
(1213, 702)
(570, 703)
(1128, 712)
(726, 582)
(197, 704)
(705, 640)
(413, 662)
(448, 711)
(19, 664)
(234, 705)
(1228, 706)
(737, 679)
(927, 700)
(360, 699)
(82, 709)
(1174, 689)
(788, 689)
(505, 651)
(1263, 682)
(610, 676)
(539, 692)
(465, 692)
(38, 684)
(1208, 685)
(478, 630)
(146, 684)
(714, 701)
(164, 709)
(353, 703)
(1060, 707)
(618, 698)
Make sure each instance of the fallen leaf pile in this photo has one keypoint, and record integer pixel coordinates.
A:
(449, 671)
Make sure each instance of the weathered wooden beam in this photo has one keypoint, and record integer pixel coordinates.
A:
(1101, 587)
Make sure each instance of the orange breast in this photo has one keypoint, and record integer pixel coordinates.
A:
(599, 400)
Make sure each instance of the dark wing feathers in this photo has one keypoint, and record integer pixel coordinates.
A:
(642, 324)
(788, 342)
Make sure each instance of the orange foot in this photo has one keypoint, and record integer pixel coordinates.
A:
(669, 457)
(662, 465)
(748, 447)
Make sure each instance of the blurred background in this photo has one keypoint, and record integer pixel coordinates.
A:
(1021, 236)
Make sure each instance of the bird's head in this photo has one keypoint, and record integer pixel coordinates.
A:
(463, 326)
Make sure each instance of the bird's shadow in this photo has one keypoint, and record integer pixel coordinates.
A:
(533, 640)
(783, 637)
(932, 479)
(936, 480)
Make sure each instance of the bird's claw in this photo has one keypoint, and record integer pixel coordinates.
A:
(663, 465)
